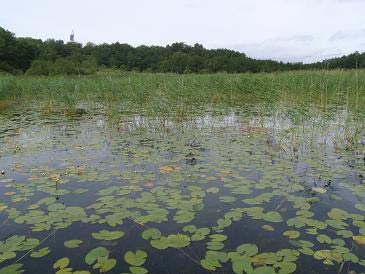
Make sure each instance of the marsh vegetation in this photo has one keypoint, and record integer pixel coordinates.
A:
(161, 173)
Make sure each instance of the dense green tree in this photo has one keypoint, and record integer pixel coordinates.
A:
(50, 57)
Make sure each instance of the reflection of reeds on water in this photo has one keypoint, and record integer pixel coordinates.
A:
(302, 107)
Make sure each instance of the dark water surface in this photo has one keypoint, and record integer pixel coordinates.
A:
(230, 193)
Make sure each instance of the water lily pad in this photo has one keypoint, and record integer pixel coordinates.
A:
(40, 253)
(151, 233)
(319, 190)
(291, 234)
(360, 207)
(138, 270)
(61, 263)
(240, 264)
(161, 243)
(213, 190)
(337, 224)
(72, 243)
(7, 255)
(273, 216)
(268, 227)
(12, 269)
(286, 267)
(359, 239)
(190, 228)
(218, 237)
(107, 235)
(178, 240)
(214, 245)
(200, 234)
(264, 270)
(324, 239)
(136, 259)
(350, 257)
(95, 254)
(247, 249)
(208, 264)
(345, 233)
(184, 216)
(227, 199)
(108, 265)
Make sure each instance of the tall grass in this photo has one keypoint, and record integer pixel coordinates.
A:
(160, 93)
(307, 99)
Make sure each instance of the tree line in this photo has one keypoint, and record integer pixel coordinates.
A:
(52, 57)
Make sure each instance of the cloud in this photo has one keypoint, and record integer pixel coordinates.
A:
(304, 48)
(341, 35)
(288, 53)
(296, 38)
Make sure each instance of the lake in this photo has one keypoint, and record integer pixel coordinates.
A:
(252, 187)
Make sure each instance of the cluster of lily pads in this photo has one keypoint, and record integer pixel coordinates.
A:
(209, 195)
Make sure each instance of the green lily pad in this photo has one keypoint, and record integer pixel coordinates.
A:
(138, 270)
(12, 269)
(108, 265)
(218, 237)
(214, 245)
(178, 240)
(40, 253)
(227, 199)
(136, 259)
(108, 235)
(268, 228)
(273, 216)
(61, 263)
(345, 233)
(264, 270)
(161, 243)
(213, 190)
(360, 207)
(151, 233)
(72, 243)
(291, 234)
(208, 264)
(319, 190)
(247, 249)
(190, 228)
(7, 255)
(286, 267)
(95, 254)
(324, 239)
(200, 234)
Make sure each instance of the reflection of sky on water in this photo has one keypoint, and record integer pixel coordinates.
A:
(32, 130)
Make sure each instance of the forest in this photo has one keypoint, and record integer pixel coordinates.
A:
(31, 56)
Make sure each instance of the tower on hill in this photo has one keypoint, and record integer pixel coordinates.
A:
(72, 37)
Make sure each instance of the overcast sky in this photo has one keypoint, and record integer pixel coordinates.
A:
(288, 30)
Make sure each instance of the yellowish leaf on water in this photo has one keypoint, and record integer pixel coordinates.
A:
(55, 177)
(319, 190)
(268, 227)
(169, 169)
(359, 239)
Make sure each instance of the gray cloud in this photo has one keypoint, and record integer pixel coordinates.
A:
(341, 35)
(295, 38)
(287, 53)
